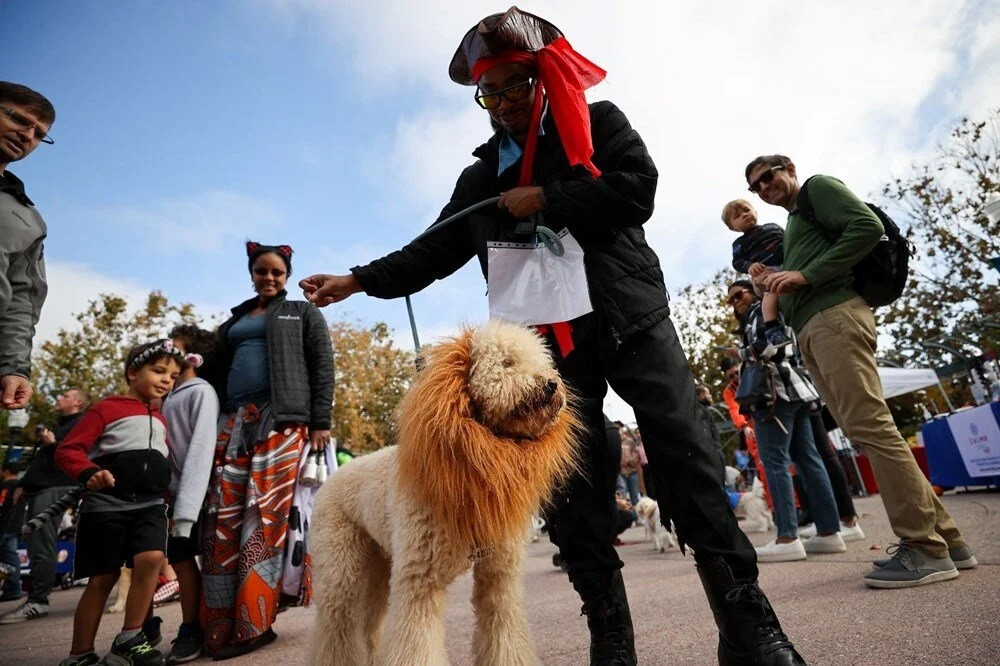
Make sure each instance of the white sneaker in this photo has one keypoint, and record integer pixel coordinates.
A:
(808, 531)
(832, 543)
(781, 552)
(26, 611)
(852, 533)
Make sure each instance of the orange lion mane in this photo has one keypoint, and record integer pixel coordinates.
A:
(480, 487)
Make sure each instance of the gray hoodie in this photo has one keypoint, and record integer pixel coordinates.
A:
(192, 413)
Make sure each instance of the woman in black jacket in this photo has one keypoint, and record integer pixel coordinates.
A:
(275, 385)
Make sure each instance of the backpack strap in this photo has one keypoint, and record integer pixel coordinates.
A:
(804, 207)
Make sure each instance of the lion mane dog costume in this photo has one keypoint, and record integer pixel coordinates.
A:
(484, 434)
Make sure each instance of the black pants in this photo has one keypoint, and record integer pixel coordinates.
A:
(650, 372)
(834, 468)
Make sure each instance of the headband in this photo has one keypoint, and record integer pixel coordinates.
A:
(160, 347)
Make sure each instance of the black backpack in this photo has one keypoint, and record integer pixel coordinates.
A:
(881, 275)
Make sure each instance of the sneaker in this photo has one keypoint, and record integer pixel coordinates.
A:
(29, 610)
(807, 531)
(781, 552)
(910, 567)
(151, 628)
(185, 649)
(89, 659)
(169, 591)
(853, 533)
(962, 557)
(831, 543)
(777, 337)
(136, 651)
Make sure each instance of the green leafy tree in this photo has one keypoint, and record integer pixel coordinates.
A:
(372, 376)
(952, 289)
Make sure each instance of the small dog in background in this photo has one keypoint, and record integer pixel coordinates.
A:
(535, 528)
(751, 509)
(649, 511)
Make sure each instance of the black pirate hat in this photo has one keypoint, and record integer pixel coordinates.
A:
(513, 30)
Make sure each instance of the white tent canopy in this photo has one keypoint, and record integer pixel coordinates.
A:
(897, 381)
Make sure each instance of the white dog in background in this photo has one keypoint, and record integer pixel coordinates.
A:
(752, 510)
(535, 529)
(649, 511)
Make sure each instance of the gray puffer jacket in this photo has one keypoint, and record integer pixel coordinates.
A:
(300, 361)
(22, 275)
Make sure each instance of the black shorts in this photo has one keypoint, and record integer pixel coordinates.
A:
(107, 540)
(182, 549)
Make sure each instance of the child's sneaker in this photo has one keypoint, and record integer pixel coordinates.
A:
(151, 628)
(89, 659)
(136, 651)
(777, 337)
(185, 649)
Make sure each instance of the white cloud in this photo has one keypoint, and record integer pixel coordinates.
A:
(202, 223)
(73, 285)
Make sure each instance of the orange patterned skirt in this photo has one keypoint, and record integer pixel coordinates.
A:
(246, 524)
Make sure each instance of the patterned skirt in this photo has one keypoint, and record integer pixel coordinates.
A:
(247, 524)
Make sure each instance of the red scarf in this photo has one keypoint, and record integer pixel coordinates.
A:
(562, 76)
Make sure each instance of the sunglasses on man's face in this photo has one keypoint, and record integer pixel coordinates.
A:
(765, 178)
(514, 93)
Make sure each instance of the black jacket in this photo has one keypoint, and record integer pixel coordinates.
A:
(300, 361)
(42, 472)
(605, 215)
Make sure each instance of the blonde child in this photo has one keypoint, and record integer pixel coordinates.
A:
(756, 252)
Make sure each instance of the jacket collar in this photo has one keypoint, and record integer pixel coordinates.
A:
(15, 187)
(251, 303)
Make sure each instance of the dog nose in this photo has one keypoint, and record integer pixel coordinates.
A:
(551, 386)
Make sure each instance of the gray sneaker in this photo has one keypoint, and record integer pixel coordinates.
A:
(962, 557)
(29, 610)
(910, 567)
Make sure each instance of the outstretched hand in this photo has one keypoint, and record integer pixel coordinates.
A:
(323, 289)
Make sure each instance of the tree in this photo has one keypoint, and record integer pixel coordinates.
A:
(953, 286)
(372, 375)
(91, 356)
(704, 321)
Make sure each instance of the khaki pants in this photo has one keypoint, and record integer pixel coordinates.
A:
(838, 345)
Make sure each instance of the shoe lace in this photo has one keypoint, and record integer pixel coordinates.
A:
(763, 619)
(903, 553)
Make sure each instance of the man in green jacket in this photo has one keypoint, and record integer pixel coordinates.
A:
(837, 336)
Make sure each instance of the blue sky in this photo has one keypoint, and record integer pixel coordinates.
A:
(185, 127)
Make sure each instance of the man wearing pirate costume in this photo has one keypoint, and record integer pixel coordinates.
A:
(601, 303)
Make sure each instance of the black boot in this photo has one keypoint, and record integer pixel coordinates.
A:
(612, 639)
(749, 632)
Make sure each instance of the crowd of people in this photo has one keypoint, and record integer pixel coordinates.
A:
(245, 404)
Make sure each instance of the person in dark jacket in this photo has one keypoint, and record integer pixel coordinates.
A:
(584, 173)
(11, 517)
(43, 484)
(275, 386)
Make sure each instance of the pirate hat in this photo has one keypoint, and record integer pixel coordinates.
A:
(513, 30)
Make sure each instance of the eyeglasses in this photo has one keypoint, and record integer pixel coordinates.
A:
(738, 295)
(514, 93)
(24, 124)
(764, 179)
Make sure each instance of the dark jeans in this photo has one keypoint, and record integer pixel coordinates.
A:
(42, 543)
(650, 372)
(835, 470)
(8, 555)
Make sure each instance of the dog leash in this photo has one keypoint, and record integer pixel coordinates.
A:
(541, 233)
